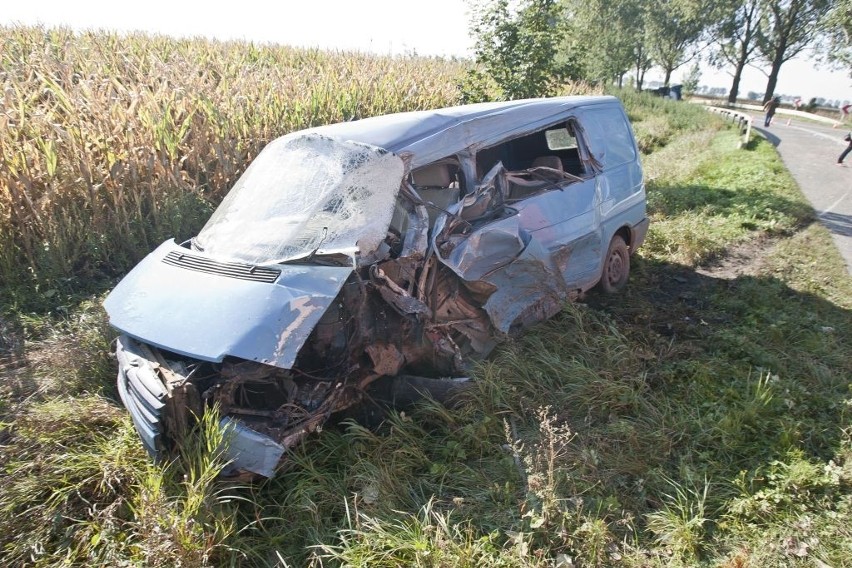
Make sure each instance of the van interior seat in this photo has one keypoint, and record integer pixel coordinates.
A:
(548, 162)
(435, 184)
(433, 176)
(530, 184)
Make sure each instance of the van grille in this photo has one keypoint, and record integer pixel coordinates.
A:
(142, 393)
(229, 269)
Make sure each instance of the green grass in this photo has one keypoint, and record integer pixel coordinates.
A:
(700, 418)
(718, 198)
(656, 120)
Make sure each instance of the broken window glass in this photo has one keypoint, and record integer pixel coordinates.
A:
(305, 194)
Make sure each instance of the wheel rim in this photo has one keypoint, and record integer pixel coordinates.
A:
(615, 268)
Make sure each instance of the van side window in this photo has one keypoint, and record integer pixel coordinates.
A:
(609, 135)
(554, 147)
(544, 160)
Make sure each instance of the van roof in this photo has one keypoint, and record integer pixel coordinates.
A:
(433, 134)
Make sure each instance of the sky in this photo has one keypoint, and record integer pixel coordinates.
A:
(430, 27)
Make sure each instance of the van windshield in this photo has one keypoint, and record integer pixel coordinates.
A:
(305, 194)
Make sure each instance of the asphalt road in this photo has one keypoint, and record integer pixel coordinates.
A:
(810, 151)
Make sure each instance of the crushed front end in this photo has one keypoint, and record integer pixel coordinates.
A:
(289, 308)
(265, 410)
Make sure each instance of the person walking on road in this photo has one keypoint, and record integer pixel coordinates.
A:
(846, 151)
(770, 107)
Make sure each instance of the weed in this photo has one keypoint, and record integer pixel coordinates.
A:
(68, 463)
(427, 539)
(680, 524)
(180, 515)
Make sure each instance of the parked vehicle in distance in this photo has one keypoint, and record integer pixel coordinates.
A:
(399, 247)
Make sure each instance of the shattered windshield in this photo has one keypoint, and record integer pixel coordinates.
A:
(305, 194)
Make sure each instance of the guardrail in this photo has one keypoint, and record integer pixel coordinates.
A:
(781, 110)
(741, 118)
(788, 112)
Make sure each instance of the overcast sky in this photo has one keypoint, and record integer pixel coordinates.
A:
(429, 27)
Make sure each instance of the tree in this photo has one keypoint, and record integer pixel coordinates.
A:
(787, 28)
(690, 82)
(609, 33)
(736, 36)
(838, 27)
(674, 27)
(518, 47)
(641, 62)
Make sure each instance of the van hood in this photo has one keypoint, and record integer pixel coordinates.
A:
(189, 303)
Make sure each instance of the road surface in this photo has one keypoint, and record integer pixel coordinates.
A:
(810, 151)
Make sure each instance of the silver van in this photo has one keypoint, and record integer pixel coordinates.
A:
(395, 248)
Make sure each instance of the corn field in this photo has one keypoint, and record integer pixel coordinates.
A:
(111, 143)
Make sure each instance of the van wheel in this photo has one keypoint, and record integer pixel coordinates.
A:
(616, 268)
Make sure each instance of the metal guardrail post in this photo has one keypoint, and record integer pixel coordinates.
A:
(748, 131)
(743, 122)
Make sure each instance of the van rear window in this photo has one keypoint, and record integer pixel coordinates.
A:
(612, 134)
(560, 139)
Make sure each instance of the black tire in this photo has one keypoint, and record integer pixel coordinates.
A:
(616, 267)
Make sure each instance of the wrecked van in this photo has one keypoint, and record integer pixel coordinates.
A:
(389, 249)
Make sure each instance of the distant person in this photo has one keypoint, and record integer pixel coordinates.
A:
(770, 107)
(844, 112)
(846, 151)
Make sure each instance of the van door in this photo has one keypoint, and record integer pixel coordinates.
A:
(564, 217)
(565, 222)
(614, 150)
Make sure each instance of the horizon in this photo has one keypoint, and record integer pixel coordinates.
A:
(440, 29)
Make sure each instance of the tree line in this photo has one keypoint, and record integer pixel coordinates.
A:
(527, 47)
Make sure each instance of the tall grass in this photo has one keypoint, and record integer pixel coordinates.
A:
(109, 143)
(79, 490)
(656, 120)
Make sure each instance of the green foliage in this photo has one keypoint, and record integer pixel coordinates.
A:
(656, 121)
(680, 524)
(838, 25)
(787, 28)
(691, 79)
(180, 516)
(80, 490)
(673, 28)
(608, 36)
(69, 465)
(427, 539)
(791, 508)
(478, 86)
(736, 31)
(517, 48)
